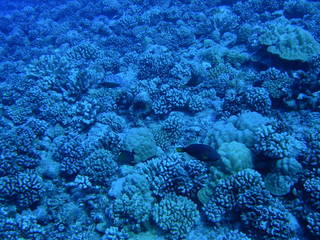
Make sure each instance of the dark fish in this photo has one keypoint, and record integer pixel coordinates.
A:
(201, 152)
(126, 157)
(109, 84)
(112, 81)
(194, 80)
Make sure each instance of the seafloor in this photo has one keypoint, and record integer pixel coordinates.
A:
(101, 102)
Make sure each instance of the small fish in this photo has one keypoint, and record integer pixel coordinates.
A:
(201, 152)
(112, 81)
(126, 157)
(194, 80)
(109, 84)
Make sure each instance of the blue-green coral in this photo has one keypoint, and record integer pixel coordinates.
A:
(176, 215)
(289, 42)
(133, 203)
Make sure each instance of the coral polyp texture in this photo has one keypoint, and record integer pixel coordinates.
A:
(176, 215)
(288, 41)
(143, 119)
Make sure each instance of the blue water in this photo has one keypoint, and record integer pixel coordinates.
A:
(173, 119)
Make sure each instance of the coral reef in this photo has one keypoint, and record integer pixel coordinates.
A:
(97, 97)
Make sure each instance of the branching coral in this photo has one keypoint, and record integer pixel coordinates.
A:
(268, 222)
(170, 131)
(70, 154)
(232, 235)
(24, 189)
(85, 52)
(277, 83)
(226, 192)
(21, 227)
(276, 145)
(153, 65)
(313, 224)
(100, 167)
(49, 68)
(167, 99)
(133, 204)
(244, 193)
(176, 215)
(257, 99)
(175, 174)
(312, 191)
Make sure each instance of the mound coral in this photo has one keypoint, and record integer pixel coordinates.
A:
(141, 141)
(235, 156)
(288, 41)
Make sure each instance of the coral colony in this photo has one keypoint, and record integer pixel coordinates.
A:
(160, 120)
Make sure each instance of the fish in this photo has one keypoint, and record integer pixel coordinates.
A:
(194, 80)
(201, 152)
(126, 157)
(112, 81)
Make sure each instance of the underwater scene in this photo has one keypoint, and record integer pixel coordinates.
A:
(160, 120)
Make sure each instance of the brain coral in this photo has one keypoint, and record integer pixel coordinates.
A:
(289, 42)
(141, 141)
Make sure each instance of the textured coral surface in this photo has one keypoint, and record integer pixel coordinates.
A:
(111, 112)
